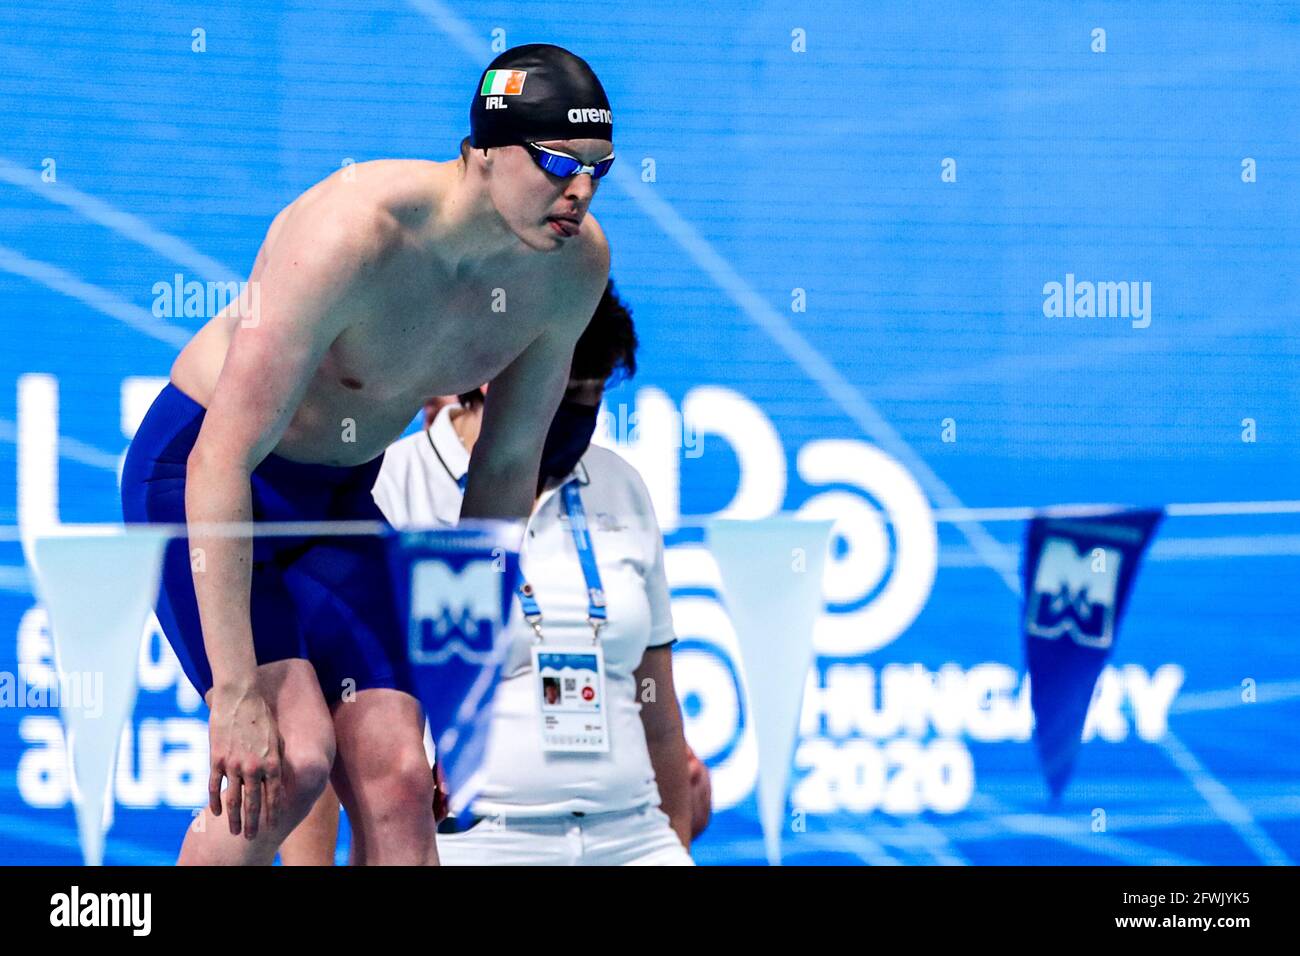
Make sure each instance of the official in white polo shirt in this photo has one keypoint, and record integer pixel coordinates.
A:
(586, 760)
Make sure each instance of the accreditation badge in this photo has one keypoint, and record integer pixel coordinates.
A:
(571, 697)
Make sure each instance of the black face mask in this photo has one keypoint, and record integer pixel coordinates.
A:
(567, 440)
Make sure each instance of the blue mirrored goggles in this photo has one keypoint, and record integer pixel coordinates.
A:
(564, 165)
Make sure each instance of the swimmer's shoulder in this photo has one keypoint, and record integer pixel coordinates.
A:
(406, 192)
(593, 248)
(364, 212)
(379, 196)
(583, 271)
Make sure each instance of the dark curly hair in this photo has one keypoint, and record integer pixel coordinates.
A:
(609, 343)
(606, 349)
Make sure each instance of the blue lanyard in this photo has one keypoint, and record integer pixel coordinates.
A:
(596, 614)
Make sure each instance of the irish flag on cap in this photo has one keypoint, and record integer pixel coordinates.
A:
(507, 82)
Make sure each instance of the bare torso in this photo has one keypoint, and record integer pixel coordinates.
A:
(415, 328)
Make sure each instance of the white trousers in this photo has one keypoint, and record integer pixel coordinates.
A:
(641, 837)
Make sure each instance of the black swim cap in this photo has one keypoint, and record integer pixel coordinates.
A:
(535, 93)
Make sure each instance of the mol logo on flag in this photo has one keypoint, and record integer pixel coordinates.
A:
(454, 613)
(503, 82)
(1074, 593)
(1078, 575)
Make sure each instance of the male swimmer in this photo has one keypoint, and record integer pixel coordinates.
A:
(401, 280)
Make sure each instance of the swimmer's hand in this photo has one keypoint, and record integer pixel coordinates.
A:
(441, 798)
(247, 751)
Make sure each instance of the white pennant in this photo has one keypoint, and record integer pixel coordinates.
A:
(99, 586)
(772, 579)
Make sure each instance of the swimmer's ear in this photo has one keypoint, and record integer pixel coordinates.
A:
(466, 151)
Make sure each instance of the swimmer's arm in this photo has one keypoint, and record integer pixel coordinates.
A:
(305, 282)
(517, 413)
(522, 400)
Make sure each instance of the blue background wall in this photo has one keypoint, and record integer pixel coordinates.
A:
(770, 171)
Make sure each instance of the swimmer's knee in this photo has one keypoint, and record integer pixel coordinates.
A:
(403, 786)
(411, 781)
(306, 772)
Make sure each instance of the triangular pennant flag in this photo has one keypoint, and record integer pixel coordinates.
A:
(454, 589)
(771, 574)
(1078, 574)
(99, 587)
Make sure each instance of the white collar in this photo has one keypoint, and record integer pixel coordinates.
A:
(579, 474)
(449, 450)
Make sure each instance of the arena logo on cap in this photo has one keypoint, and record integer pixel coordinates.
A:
(591, 115)
(503, 82)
